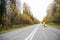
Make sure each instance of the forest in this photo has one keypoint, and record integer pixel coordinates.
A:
(11, 15)
(53, 14)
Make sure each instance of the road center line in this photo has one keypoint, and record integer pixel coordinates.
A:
(32, 34)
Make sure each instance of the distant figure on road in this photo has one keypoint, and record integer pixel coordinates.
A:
(44, 23)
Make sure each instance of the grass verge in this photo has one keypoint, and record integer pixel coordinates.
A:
(55, 25)
(12, 29)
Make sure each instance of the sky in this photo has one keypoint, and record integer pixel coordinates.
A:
(38, 7)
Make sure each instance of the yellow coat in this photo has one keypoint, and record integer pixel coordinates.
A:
(44, 23)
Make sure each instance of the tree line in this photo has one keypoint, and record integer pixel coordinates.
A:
(10, 15)
(53, 12)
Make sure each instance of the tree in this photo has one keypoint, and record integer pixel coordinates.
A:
(5, 21)
(26, 10)
(13, 13)
(14, 16)
(25, 19)
(53, 12)
(2, 9)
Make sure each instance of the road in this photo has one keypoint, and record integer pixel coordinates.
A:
(34, 32)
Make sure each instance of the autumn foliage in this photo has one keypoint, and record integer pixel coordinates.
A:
(10, 15)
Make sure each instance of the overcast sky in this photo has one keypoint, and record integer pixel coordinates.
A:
(38, 7)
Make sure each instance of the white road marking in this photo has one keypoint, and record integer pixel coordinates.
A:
(32, 34)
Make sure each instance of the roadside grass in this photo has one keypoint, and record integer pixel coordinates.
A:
(55, 25)
(15, 27)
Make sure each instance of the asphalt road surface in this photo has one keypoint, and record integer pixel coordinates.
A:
(34, 32)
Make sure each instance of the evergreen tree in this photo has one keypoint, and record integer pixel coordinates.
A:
(2, 9)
